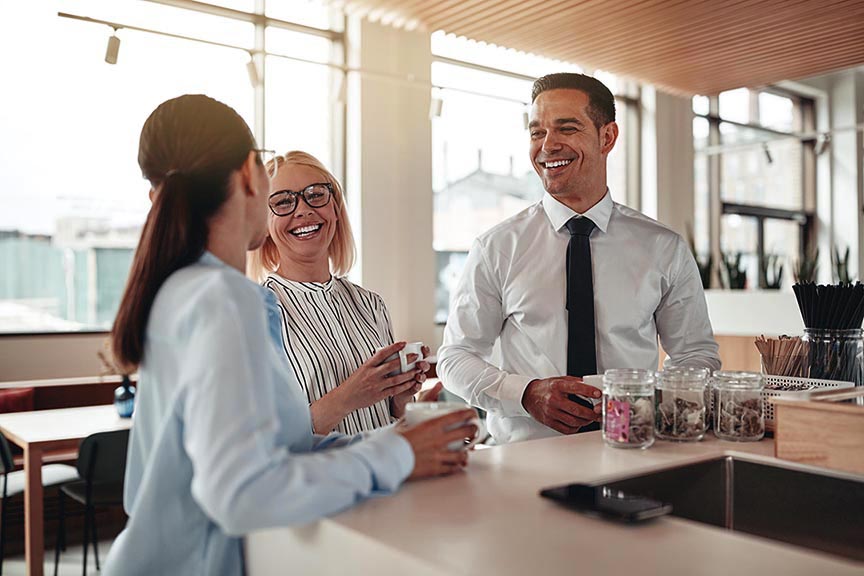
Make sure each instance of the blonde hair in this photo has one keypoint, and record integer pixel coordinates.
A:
(265, 259)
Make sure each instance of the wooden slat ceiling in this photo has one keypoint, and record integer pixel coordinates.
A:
(684, 46)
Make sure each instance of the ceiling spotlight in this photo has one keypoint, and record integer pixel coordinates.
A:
(337, 92)
(768, 157)
(436, 106)
(822, 143)
(113, 48)
(252, 69)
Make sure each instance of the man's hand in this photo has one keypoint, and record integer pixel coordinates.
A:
(547, 401)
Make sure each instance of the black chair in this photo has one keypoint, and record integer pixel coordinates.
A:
(13, 484)
(101, 468)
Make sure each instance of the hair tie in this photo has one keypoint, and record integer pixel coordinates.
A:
(171, 172)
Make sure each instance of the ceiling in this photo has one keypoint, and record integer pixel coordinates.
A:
(684, 46)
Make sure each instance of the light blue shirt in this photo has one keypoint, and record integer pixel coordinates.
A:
(221, 443)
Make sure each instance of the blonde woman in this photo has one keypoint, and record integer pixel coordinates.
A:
(336, 334)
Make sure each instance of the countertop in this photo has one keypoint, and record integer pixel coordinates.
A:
(490, 520)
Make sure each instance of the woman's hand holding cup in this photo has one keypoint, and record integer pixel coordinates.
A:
(378, 378)
(433, 433)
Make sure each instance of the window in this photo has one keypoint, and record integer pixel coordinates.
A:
(751, 162)
(72, 200)
(481, 171)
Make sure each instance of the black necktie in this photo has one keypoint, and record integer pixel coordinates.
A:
(581, 351)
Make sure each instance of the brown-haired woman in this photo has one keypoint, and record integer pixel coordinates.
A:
(337, 335)
(220, 446)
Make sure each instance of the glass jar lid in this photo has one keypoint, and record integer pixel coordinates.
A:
(733, 379)
(629, 378)
(683, 377)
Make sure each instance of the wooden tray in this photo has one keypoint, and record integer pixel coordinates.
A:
(827, 429)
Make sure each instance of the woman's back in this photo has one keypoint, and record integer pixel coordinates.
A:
(200, 315)
(216, 448)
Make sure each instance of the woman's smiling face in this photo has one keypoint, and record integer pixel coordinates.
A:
(305, 234)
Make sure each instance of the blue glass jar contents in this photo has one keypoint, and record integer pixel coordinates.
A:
(124, 398)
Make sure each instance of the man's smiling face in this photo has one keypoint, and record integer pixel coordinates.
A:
(568, 151)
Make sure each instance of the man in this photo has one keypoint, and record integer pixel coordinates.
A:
(571, 286)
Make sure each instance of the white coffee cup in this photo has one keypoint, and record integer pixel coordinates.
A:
(417, 412)
(404, 365)
(595, 380)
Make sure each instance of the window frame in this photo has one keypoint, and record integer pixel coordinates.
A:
(804, 110)
(258, 54)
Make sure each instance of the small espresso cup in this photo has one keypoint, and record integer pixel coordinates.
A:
(595, 380)
(417, 412)
(404, 365)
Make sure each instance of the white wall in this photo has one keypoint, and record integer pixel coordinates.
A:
(390, 171)
(49, 356)
(667, 159)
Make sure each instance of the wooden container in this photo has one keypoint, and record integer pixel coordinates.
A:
(827, 429)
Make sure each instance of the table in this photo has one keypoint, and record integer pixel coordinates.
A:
(43, 431)
(490, 520)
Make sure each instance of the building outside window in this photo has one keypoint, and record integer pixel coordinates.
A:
(72, 200)
(481, 170)
(754, 166)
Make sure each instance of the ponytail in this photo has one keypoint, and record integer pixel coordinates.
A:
(190, 146)
(174, 236)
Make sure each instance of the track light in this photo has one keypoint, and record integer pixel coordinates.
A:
(337, 93)
(768, 157)
(113, 48)
(252, 69)
(436, 106)
(822, 143)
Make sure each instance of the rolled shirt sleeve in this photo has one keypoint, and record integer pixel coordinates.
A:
(475, 321)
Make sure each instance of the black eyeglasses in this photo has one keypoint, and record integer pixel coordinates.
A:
(269, 161)
(284, 202)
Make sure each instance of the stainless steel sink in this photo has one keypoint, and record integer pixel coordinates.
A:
(792, 504)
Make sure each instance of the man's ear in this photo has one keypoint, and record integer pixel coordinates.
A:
(608, 137)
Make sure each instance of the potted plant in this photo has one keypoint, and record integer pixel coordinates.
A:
(124, 395)
(807, 268)
(771, 272)
(841, 266)
(735, 275)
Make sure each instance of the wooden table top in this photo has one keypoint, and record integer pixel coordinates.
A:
(50, 426)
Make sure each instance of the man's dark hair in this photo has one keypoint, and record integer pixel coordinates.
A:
(601, 102)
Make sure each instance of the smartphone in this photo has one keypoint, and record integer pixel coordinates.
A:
(607, 502)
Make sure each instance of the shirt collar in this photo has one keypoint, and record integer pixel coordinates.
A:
(210, 259)
(559, 214)
(308, 287)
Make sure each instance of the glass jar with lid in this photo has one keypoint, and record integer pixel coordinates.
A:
(739, 412)
(680, 407)
(628, 408)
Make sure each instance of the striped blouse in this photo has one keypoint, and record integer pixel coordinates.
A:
(329, 329)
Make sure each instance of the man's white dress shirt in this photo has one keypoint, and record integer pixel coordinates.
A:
(513, 291)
